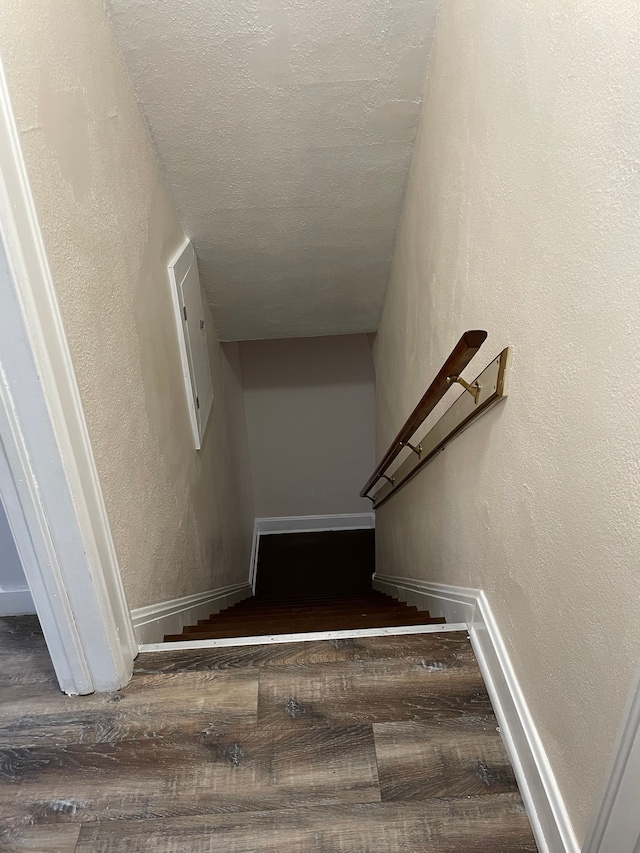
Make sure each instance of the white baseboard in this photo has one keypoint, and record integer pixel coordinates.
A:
(457, 606)
(16, 602)
(304, 524)
(543, 801)
(307, 523)
(151, 623)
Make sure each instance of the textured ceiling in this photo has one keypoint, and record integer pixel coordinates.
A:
(285, 129)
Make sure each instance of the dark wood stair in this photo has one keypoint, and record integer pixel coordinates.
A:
(258, 616)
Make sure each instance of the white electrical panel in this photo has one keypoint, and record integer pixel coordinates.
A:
(192, 335)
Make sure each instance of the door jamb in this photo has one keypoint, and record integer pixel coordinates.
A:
(48, 479)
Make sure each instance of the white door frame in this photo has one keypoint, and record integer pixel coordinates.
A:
(48, 480)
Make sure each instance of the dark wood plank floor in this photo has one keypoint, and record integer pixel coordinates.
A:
(369, 745)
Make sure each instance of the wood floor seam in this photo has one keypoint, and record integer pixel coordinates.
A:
(362, 745)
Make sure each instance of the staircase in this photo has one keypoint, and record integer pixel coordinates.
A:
(258, 616)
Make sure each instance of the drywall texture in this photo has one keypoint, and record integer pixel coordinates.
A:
(310, 412)
(522, 217)
(285, 128)
(179, 519)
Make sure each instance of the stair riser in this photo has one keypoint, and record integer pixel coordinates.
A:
(311, 602)
(304, 627)
(259, 616)
(262, 614)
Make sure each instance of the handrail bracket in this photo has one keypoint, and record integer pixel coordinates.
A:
(417, 450)
(474, 389)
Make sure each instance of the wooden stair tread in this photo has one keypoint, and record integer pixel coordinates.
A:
(311, 602)
(261, 615)
(320, 617)
(288, 626)
(331, 605)
(306, 625)
(308, 602)
(317, 617)
(261, 631)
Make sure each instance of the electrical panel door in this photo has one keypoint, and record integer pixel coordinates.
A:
(192, 334)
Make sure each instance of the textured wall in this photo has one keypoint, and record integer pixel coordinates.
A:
(285, 128)
(522, 217)
(310, 418)
(181, 520)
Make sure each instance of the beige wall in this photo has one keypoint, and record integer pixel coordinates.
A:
(181, 520)
(522, 216)
(310, 417)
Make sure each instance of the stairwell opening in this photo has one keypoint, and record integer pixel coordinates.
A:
(310, 582)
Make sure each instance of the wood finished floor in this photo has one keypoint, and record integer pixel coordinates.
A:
(370, 745)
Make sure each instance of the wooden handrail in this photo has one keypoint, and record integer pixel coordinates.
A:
(461, 355)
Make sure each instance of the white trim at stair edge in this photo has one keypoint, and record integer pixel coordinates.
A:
(151, 623)
(304, 524)
(307, 637)
(548, 815)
